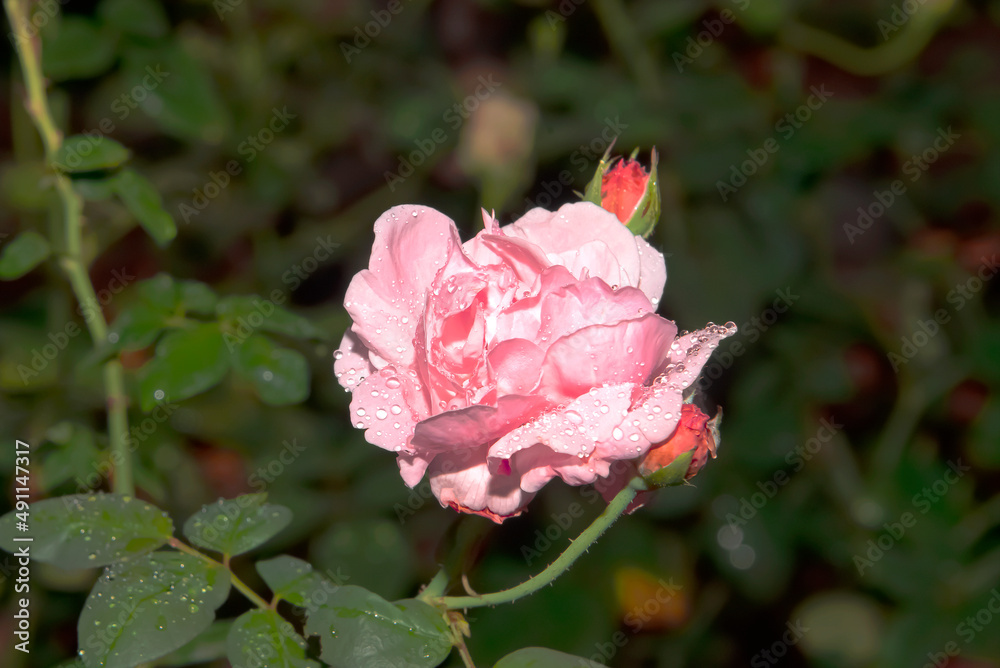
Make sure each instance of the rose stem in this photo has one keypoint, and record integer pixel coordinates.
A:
(614, 510)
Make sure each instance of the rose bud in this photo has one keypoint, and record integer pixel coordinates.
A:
(682, 455)
(626, 189)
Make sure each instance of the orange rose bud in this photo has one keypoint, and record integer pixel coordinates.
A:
(682, 455)
(625, 188)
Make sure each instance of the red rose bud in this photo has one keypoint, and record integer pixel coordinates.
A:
(626, 189)
(682, 455)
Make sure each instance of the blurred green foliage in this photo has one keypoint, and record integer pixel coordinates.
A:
(856, 254)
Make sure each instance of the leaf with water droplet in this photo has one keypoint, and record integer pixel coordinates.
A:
(237, 525)
(360, 629)
(187, 362)
(295, 581)
(88, 530)
(262, 637)
(120, 623)
(209, 645)
(280, 375)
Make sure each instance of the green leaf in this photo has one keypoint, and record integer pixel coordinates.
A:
(183, 98)
(89, 153)
(159, 291)
(263, 638)
(539, 657)
(374, 551)
(280, 375)
(235, 526)
(248, 313)
(23, 254)
(197, 297)
(75, 47)
(144, 202)
(411, 634)
(88, 530)
(94, 189)
(143, 609)
(74, 456)
(187, 362)
(294, 580)
(142, 18)
(209, 645)
(137, 327)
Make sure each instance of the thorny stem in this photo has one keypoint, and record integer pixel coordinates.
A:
(583, 542)
(29, 52)
(239, 584)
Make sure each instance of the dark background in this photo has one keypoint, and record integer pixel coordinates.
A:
(857, 407)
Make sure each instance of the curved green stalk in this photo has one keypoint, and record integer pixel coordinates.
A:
(29, 52)
(913, 36)
(614, 510)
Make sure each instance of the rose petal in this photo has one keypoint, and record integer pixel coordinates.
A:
(476, 425)
(523, 319)
(631, 351)
(574, 235)
(350, 362)
(388, 406)
(515, 365)
(386, 301)
(463, 480)
(692, 350)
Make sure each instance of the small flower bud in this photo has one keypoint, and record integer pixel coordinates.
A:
(682, 455)
(626, 189)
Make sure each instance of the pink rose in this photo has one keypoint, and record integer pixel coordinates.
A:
(529, 352)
